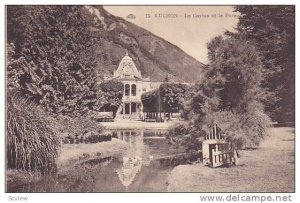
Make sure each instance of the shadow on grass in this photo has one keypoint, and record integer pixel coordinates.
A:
(250, 148)
(232, 166)
(288, 140)
(286, 124)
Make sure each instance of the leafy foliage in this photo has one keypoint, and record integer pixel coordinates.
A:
(109, 96)
(31, 143)
(14, 67)
(184, 135)
(231, 96)
(172, 95)
(243, 130)
(272, 29)
(56, 47)
(168, 98)
(65, 125)
(236, 72)
(150, 100)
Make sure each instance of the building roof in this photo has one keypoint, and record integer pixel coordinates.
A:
(127, 68)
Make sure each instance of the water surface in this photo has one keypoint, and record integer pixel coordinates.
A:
(144, 167)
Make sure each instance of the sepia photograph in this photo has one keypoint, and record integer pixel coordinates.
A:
(150, 99)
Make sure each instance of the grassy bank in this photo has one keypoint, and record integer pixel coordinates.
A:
(269, 168)
(71, 154)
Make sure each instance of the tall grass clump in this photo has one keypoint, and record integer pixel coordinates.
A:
(31, 144)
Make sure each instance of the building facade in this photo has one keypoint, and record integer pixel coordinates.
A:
(134, 86)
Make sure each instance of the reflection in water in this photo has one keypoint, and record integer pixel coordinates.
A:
(140, 169)
(137, 155)
(131, 166)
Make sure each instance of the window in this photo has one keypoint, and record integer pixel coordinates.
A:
(133, 107)
(127, 111)
(133, 90)
(127, 89)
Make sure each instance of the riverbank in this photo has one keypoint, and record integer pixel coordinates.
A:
(269, 168)
(71, 154)
(15, 178)
(132, 124)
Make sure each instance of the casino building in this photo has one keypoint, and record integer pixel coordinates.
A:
(134, 86)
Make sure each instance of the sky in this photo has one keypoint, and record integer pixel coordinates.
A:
(188, 27)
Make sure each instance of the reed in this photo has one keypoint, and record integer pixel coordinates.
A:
(31, 144)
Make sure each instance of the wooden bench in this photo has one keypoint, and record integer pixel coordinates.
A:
(216, 151)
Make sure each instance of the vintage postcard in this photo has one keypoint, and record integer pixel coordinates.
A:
(150, 99)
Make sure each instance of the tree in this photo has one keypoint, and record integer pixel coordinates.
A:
(168, 98)
(58, 49)
(272, 29)
(172, 96)
(109, 96)
(231, 96)
(237, 72)
(149, 100)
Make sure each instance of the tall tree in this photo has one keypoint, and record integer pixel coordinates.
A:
(272, 29)
(58, 45)
(231, 96)
(236, 69)
(236, 75)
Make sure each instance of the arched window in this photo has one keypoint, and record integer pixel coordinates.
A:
(127, 89)
(133, 90)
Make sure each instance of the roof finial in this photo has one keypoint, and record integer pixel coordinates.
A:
(126, 54)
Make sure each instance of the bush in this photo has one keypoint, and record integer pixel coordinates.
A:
(76, 130)
(92, 137)
(243, 130)
(31, 145)
(78, 126)
(184, 135)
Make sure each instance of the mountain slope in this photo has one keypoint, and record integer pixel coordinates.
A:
(153, 56)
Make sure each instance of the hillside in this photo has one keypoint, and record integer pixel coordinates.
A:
(154, 56)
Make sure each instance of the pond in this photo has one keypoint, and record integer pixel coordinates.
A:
(144, 167)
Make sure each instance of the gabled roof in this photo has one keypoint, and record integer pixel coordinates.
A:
(127, 63)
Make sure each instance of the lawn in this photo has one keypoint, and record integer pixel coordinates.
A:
(269, 168)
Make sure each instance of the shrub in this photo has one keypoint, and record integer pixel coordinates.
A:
(243, 130)
(183, 134)
(75, 128)
(31, 144)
